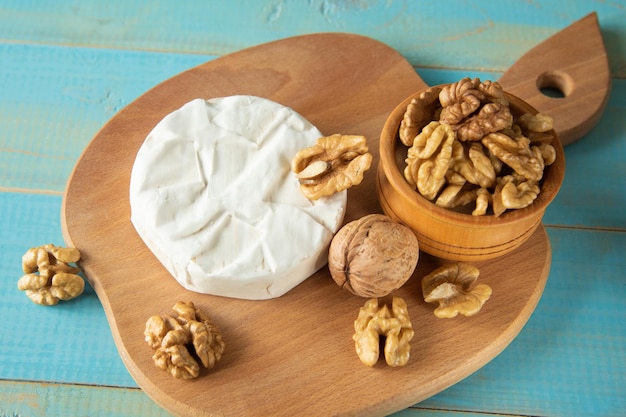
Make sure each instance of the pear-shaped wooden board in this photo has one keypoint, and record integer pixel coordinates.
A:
(293, 355)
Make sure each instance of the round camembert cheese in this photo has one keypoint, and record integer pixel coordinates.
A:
(213, 197)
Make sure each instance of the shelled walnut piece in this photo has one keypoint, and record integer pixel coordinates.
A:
(453, 287)
(464, 137)
(420, 112)
(374, 322)
(373, 256)
(335, 163)
(172, 335)
(49, 275)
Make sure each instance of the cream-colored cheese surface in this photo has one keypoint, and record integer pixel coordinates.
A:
(213, 197)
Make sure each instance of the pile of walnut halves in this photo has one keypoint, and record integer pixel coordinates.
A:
(170, 336)
(466, 146)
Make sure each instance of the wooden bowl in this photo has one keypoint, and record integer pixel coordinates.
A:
(446, 233)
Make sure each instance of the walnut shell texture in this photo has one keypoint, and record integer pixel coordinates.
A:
(373, 256)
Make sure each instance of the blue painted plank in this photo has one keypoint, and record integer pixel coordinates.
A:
(69, 342)
(479, 35)
(54, 100)
(594, 192)
(56, 400)
(47, 400)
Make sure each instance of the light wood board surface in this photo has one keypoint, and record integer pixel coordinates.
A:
(293, 353)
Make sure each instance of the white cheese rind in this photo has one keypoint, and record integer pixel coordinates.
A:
(213, 197)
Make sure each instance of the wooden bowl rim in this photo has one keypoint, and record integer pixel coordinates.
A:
(389, 140)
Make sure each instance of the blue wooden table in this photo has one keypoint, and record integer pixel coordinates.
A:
(67, 67)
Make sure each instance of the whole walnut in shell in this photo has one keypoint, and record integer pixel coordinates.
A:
(373, 256)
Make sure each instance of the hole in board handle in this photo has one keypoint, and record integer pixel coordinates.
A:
(555, 84)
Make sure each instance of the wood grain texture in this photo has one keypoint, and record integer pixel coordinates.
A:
(274, 341)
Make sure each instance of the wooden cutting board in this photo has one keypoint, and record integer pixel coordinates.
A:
(293, 355)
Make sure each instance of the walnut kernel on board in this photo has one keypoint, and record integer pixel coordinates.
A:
(452, 286)
(49, 277)
(171, 336)
(335, 163)
(373, 256)
(374, 322)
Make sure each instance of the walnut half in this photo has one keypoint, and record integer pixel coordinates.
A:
(452, 287)
(335, 163)
(374, 322)
(172, 336)
(49, 276)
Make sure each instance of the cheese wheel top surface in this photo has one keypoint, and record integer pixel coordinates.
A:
(213, 197)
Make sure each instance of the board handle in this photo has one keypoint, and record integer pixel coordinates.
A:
(567, 76)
